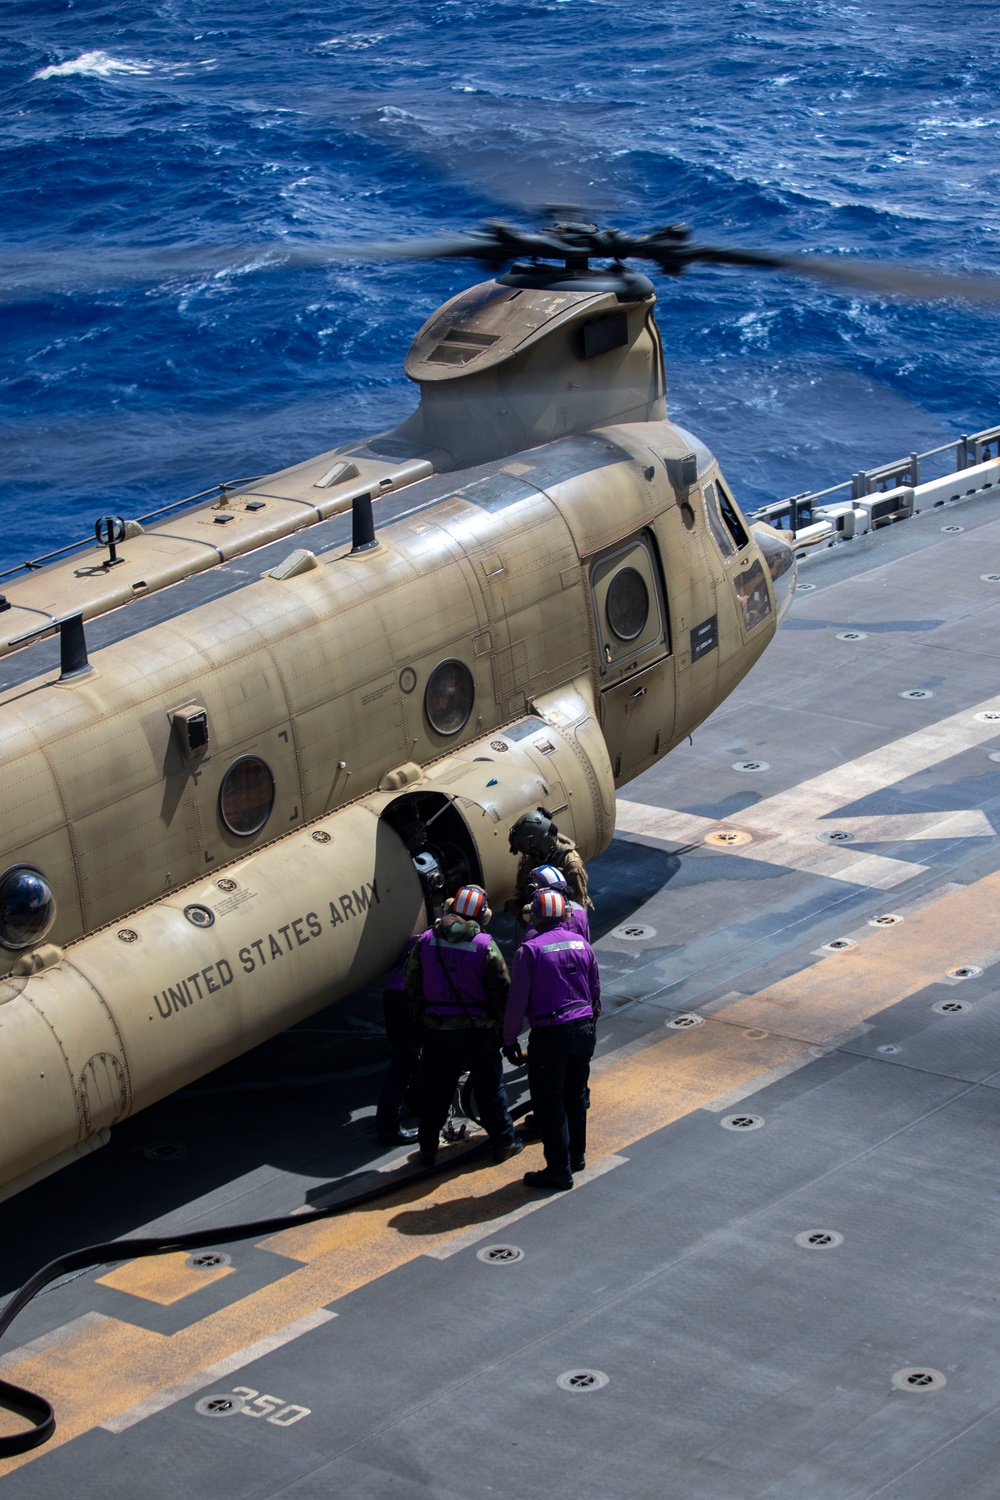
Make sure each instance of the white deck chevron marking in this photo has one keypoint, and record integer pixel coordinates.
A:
(791, 820)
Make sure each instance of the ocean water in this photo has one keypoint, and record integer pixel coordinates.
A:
(129, 379)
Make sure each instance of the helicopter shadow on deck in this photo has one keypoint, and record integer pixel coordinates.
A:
(282, 1125)
(934, 792)
(298, 1104)
(624, 878)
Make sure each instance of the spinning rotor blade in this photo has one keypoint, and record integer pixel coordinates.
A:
(865, 275)
(497, 243)
(30, 274)
(25, 275)
(439, 247)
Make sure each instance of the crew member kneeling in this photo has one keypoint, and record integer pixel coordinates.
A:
(457, 982)
(555, 983)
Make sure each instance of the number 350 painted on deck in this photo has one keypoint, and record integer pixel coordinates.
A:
(273, 1408)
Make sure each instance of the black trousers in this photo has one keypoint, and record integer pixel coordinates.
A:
(404, 1059)
(449, 1054)
(558, 1071)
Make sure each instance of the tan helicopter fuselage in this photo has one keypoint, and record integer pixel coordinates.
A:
(534, 627)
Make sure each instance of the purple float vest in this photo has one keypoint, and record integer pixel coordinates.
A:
(560, 986)
(577, 919)
(454, 976)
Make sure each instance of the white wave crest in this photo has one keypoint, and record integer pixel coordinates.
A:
(938, 123)
(94, 65)
(354, 41)
(102, 65)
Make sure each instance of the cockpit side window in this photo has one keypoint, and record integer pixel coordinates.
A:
(723, 540)
(723, 520)
(731, 516)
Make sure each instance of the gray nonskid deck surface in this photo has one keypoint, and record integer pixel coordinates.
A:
(741, 1365)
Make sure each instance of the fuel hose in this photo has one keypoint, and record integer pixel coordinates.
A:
(37, 1410)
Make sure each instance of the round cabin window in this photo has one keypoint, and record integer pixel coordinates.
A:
(27, 907)
(246, 796)
(627, 604)
(449, 697)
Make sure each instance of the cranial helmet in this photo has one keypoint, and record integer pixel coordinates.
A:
(470, 903)
(547, 907)
(547, 877)
(534, 833)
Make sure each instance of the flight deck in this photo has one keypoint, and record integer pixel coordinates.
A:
(776, 1276)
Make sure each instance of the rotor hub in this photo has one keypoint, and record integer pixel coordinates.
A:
(578, 275)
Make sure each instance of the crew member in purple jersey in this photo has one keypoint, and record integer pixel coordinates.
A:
(549, 878)
(457, 982)
(556, 986)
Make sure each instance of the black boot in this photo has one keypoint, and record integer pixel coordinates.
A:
(546, 1180)
(504, 1153)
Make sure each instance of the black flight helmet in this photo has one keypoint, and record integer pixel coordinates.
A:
(534, 834)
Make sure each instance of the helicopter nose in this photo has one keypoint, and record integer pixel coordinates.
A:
(780, 559)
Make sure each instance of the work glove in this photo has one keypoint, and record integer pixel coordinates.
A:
(514, 1055)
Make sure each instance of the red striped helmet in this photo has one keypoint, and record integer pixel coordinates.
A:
(547, 907)
(470, 903)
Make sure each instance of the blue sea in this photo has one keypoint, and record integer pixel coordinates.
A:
(812, 126)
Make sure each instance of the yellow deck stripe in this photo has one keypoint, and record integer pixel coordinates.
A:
(114, 1366)
(843, 989)
(164, 1279)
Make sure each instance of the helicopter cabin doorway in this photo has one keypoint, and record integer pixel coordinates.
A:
(633, 639)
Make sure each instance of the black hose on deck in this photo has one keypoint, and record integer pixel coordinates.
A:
(36, 1409)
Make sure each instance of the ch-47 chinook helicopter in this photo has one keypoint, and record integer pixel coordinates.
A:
(287, 722)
